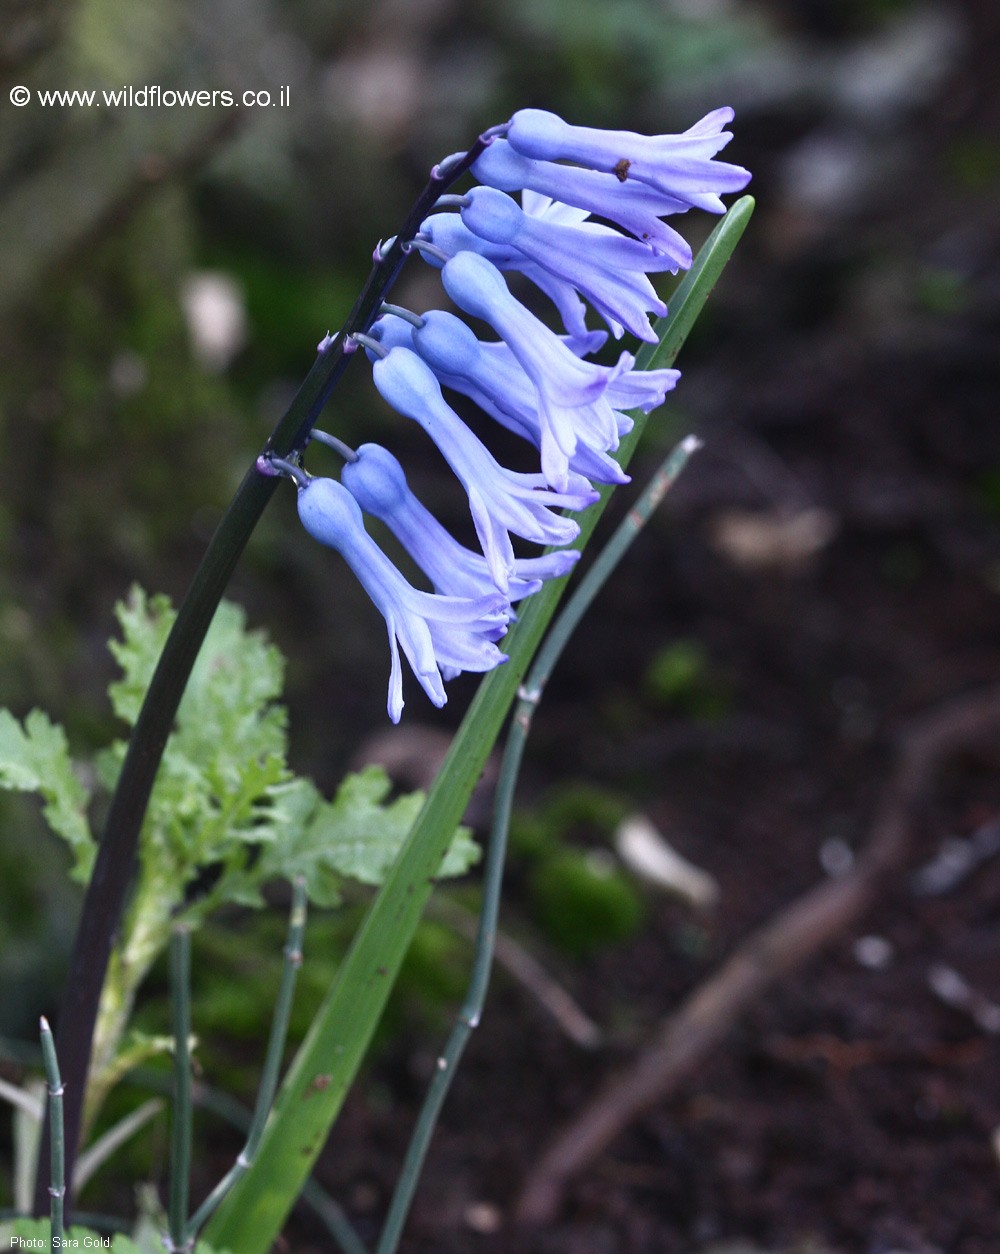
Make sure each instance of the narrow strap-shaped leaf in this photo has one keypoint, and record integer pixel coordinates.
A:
(252, 1215)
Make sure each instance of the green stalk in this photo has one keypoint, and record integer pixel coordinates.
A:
(272, 1062)
(529, 698)
(181, 1121)
(115, 865)
(252, 1215)
(57, 1189)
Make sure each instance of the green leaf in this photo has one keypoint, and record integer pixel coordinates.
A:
(356, 835)
(214, 796)
(252, 1214)
(364, 836)
(36, 759)
(145, 623)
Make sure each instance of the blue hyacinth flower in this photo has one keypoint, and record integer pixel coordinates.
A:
(633, 206)
(447, 232)
(679, 166)
(606, 268)
(440, 635)
(502, 502)
(588, 233)
(571, 404)
(377, 482)
(492, 377)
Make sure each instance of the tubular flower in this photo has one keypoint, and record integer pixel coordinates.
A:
(631, 205)
(588, 233)
(491, 375)
(449, 233)
(570, 392)
(377, 482)
(606, 268)
(440, 635)
(501, 501)
(678, 166)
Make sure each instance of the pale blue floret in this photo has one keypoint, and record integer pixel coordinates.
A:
(440, 635)
(571, 406)
(501, 501)
(606, 268)
(377, 482)
(448, 232)
(491, 375)
(631, 205)
(679, 166)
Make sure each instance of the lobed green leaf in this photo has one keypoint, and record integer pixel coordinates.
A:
(35, 758)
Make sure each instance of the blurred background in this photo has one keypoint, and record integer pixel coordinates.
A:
(827, 568)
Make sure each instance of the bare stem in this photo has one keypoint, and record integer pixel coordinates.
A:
(180, 1127)
(272, 1062)
(57, 1188)
(115, 864)
(529, 697)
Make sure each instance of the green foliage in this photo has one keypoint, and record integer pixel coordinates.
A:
(584, 902)
(226, 808)
(217, 795)
(225, 796)
(572, 807)
(581, 899)
(35, 758)
(681, 678)
(355, 836)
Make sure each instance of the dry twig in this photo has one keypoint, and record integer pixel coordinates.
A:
(793, 936)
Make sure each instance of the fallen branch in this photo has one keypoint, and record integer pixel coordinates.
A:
(794, 935)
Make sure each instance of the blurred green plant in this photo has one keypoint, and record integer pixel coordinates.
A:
(681, 677)
(579, 895)
(227, 815)
(585, 901)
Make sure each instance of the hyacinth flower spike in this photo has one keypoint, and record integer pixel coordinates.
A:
(377, 482)
(678, 166)
(440, 635)
(501, 501)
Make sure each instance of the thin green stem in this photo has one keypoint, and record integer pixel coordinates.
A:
(606, 561)
(181, 1121)
(57, 1175)
(528, 699)
(471, 1010)
(272, 1062)
(115, 864)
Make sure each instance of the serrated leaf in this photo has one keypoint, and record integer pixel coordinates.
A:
(463, 854)
(145, 623)
(355, 835)
(213, 796)
(35, 758)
